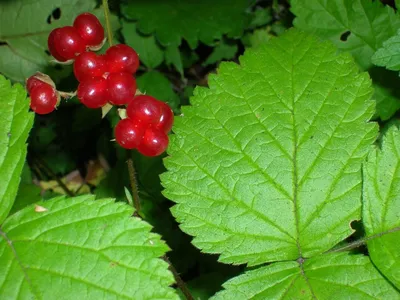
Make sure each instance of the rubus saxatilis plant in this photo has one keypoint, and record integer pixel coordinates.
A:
(104, 80)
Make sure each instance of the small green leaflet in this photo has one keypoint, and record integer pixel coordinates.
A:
(15, 124)
(155, 84)
(381, 209)
(333, 276)
(224, 50)
(357, 26)
(389, 54)
(82, 248)
(191, 20)
(150, 52)
(265, 165)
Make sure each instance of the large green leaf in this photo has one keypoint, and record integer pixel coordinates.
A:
(191, 20)
(150, 52)
(82, 248)
(357, 26)
(15, 123)
(381, 209)
(334, 276)
(389, 54)
(266, 164)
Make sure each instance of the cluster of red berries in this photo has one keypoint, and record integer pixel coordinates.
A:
(103, 79)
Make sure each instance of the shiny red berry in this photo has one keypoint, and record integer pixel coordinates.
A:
(33, 82)
(65, 43)
(93, 92)
(129, 133)
(43, 99)
(89, 28)
(88, 65)
(122, 58)
(51, 44)
(144, 108)
(166, 119)
(154, 142)
(121, 88)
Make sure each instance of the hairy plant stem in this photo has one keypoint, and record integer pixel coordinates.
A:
(108, 24)
(133, 181)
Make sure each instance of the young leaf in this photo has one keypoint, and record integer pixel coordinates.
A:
(389, 54)
(150, 52)
(225, 50)
(266, 164)
(191, 20)
(381, 204)
(15, 123)
(82, 248)
(25, 34)
(357, 26)
(333, 276)
(173, 57)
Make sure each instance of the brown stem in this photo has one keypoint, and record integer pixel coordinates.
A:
(134, 186)
(179, 282)
(41, 163)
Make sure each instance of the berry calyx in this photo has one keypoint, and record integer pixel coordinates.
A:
(154, 142)
(144, 108)
(88, 65)
(121, 88)
(65, 43)
(90, 29)
(166, 119)
(122, 58)
(33, 82)
(44, 98)
(93, 92)
(129, 133)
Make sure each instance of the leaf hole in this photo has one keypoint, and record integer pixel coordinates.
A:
(55, 15)
(345, 36)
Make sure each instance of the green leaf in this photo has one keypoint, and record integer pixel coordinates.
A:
(381, 204)
(150, 52)
(334, 276)
(15, 123)
(155, 84)
(191, 20)
(173, 57)
(386, 92)
(266, 164)
(389, 54)
(25, 26)
(260, 17)
(84, 249)
(357, 26)
(225, 50)
(257, 37)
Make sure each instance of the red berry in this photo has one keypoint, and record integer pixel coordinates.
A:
(89, 64)
(166, 119)
(129, 133)
(90, 29)
(144, 108)
(51, 44)
(93, 92)
(65, 43)
(33, 82)
(121, 88)
(122, 58)
(43, 99)
(154, 142)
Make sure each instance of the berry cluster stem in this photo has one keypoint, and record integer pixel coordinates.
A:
(108, 23)
(132, 176)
